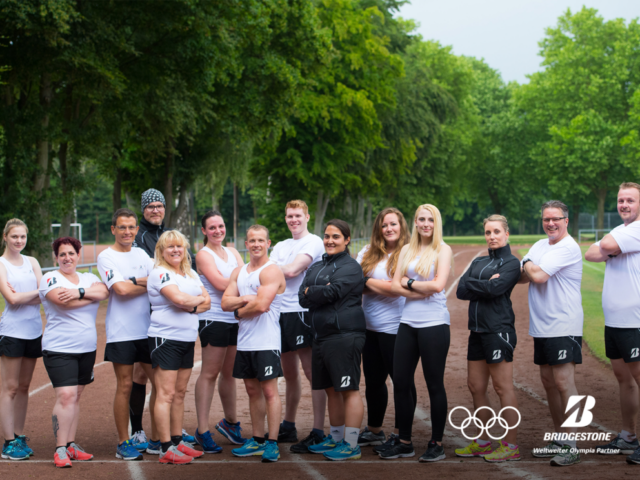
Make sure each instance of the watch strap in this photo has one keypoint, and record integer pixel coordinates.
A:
(81, 290)
(133, 279)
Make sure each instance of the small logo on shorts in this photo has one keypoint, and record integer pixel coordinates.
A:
(109, 275)
(300, 341)
(92, 375)
(164, 278)
(268, 371)
(635, 352)
(562, 354)
(51, 281)
(587, 416)
(496, 354)
(345, 381)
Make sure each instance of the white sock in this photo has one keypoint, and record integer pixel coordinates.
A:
(571, 443)
(351, 436)
(483, 443)
(337, 433)
(627, 436)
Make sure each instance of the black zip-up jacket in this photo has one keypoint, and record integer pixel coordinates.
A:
(490, 309)
(148, 236)
(334, 298)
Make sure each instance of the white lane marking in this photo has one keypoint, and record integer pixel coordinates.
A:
(453, 285)
(135, 469)
(47, 385)
(306, 468)
(590, 265)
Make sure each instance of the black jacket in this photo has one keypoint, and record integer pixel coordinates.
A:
(490, 309)
(334, 308)
(148, 236)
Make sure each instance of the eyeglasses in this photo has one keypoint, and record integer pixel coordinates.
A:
(152, 208)
(554, 219)
(123, 228)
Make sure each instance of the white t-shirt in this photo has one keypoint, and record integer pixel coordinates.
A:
(425, 312)
(69, 330)
(127, 317)
(261, 332)
(284, 253)
(21, 321)
(555, 307)
(621, 291)
(216, 313)
(167, 320)
(381, 313)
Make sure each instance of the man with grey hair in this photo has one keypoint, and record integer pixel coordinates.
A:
(553, 268)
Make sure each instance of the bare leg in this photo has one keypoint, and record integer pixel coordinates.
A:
(564, 376)
(165, 381)
(76, 415)
(274, 405)
(353, 408)
(478, 382)
(257, 407)
(63, 414)
(318, 397)
(336, 407)
(502, 379)
(212, 361)
(629, 403)
(10, 367)
(124, 382)
(227, 386)
(177, 407)
(553, 396)
(291, 370)
(22, 396)
(152, 398)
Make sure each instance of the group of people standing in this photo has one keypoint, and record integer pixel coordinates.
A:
(309, 303)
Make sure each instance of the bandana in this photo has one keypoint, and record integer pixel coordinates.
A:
(150, 196)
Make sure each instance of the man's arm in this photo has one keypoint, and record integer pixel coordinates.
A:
(535, 273)
(126, 288)
(271, 280)
(609, 246)
(595, 255)
(231, 299)
(298, 266)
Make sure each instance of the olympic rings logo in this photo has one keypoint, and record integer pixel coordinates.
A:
(481, 427)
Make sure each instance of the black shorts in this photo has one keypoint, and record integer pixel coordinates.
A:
(128, 352)
(336, 362)
(171, 354)
(295, 331)
(69, 369)
(261, 364)
(491, 347)
(557, 350)
(218, 334)
(18, 347)
(622, 343)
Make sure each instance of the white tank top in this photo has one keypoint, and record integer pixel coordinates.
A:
(215, 313)
(262, 332)
(425, 312)
(21, 321)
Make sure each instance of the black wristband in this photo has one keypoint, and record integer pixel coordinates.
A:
(612, 256)
(194, 309)
(366, 279)
(235, 314)
(409, 283)
(81, 290)
(133, 279)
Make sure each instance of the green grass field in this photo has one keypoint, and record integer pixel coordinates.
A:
(592, 280)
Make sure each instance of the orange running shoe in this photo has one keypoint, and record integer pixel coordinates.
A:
(175, 457)
(77, 453)
(187, 450)
(61, 459)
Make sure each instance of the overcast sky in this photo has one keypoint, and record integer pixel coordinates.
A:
(503, 32)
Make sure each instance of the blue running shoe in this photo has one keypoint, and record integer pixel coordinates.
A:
(154, 448)
(326, 445)
(343, 451)
(14, 451)
(23, 442)
(271, 453)
(232, 432)
(139, 441)
(206, 442)
(126, 451)
(186, 438)
(251, 447)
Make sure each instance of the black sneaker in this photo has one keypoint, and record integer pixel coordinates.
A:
(399, 450)
(392, 440)
(434, 453)
(287, 436)
(303, 447)
(368, 438)
(618, 446)
(634, 457)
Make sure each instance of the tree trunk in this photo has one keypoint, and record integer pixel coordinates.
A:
(168, 186)
(602, 196)
(369, 224)
(41, 183)
(359, 223)
(192, 219)
(322, 203)
(178, 213)
(575, 221)
(117, 189)
(235, 214)
(65, 223)
(131, 204)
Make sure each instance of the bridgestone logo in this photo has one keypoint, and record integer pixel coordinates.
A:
(345, 381)
(635, 352)
(573, 404)
(268, 371)
(300, 340)
(164, 278)
(51, 281)
(109, 275)
(562, 354)
(496, 354)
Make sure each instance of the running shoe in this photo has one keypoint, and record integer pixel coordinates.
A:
(434, 453)
(139, 441)
(23, 441)
(251, 447)
(392, 439)
(399, 450)
(567, 456)
(634, 457)
(549, 451)
(126, 451)
(343, 451)
(303, 447)
(154, 448)
(473, 450)
(618, 446)
(271, 452)
(327, 444)
(186, 438)
(15, 451)
(188, 450)
(232, 432)
(175, 456)
(287, 436)
(503, 453)
(368, 438)
(61, 458)
(205, 440)
(77, 453)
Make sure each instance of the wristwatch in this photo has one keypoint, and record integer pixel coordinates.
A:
(194, 309)
(366, 279)
(409, 283)
(525, 261)
(133, 279)
(81, 290)
(235, 314)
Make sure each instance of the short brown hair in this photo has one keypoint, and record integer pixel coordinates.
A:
(259, 228)
(627, 185)
(74, 242)
(497, 218)
(123, 212)
(297, 204)
(556, 204)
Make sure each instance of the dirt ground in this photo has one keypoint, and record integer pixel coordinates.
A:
(97, 432)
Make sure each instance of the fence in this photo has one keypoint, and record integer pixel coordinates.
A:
(592, 234)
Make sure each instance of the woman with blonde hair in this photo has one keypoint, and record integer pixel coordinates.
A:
(423, 269)
(176, 295)
(382, 311)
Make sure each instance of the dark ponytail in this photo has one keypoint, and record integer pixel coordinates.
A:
(344, 228)
(207, 216)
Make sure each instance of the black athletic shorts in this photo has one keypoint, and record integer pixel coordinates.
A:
(491, 347)
(171, 354)
(557, 350)
(336, 362)
(261, 364)
(218, 334)
(128, 352)
(622, 343)
(69, 369)
(295, 331)
(18, 347)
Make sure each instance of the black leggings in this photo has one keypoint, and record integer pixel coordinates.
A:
(377, 363)
(431, 344)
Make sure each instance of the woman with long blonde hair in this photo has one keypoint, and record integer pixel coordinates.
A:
(423, 269)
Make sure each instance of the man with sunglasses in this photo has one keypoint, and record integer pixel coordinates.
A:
(553, 269)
